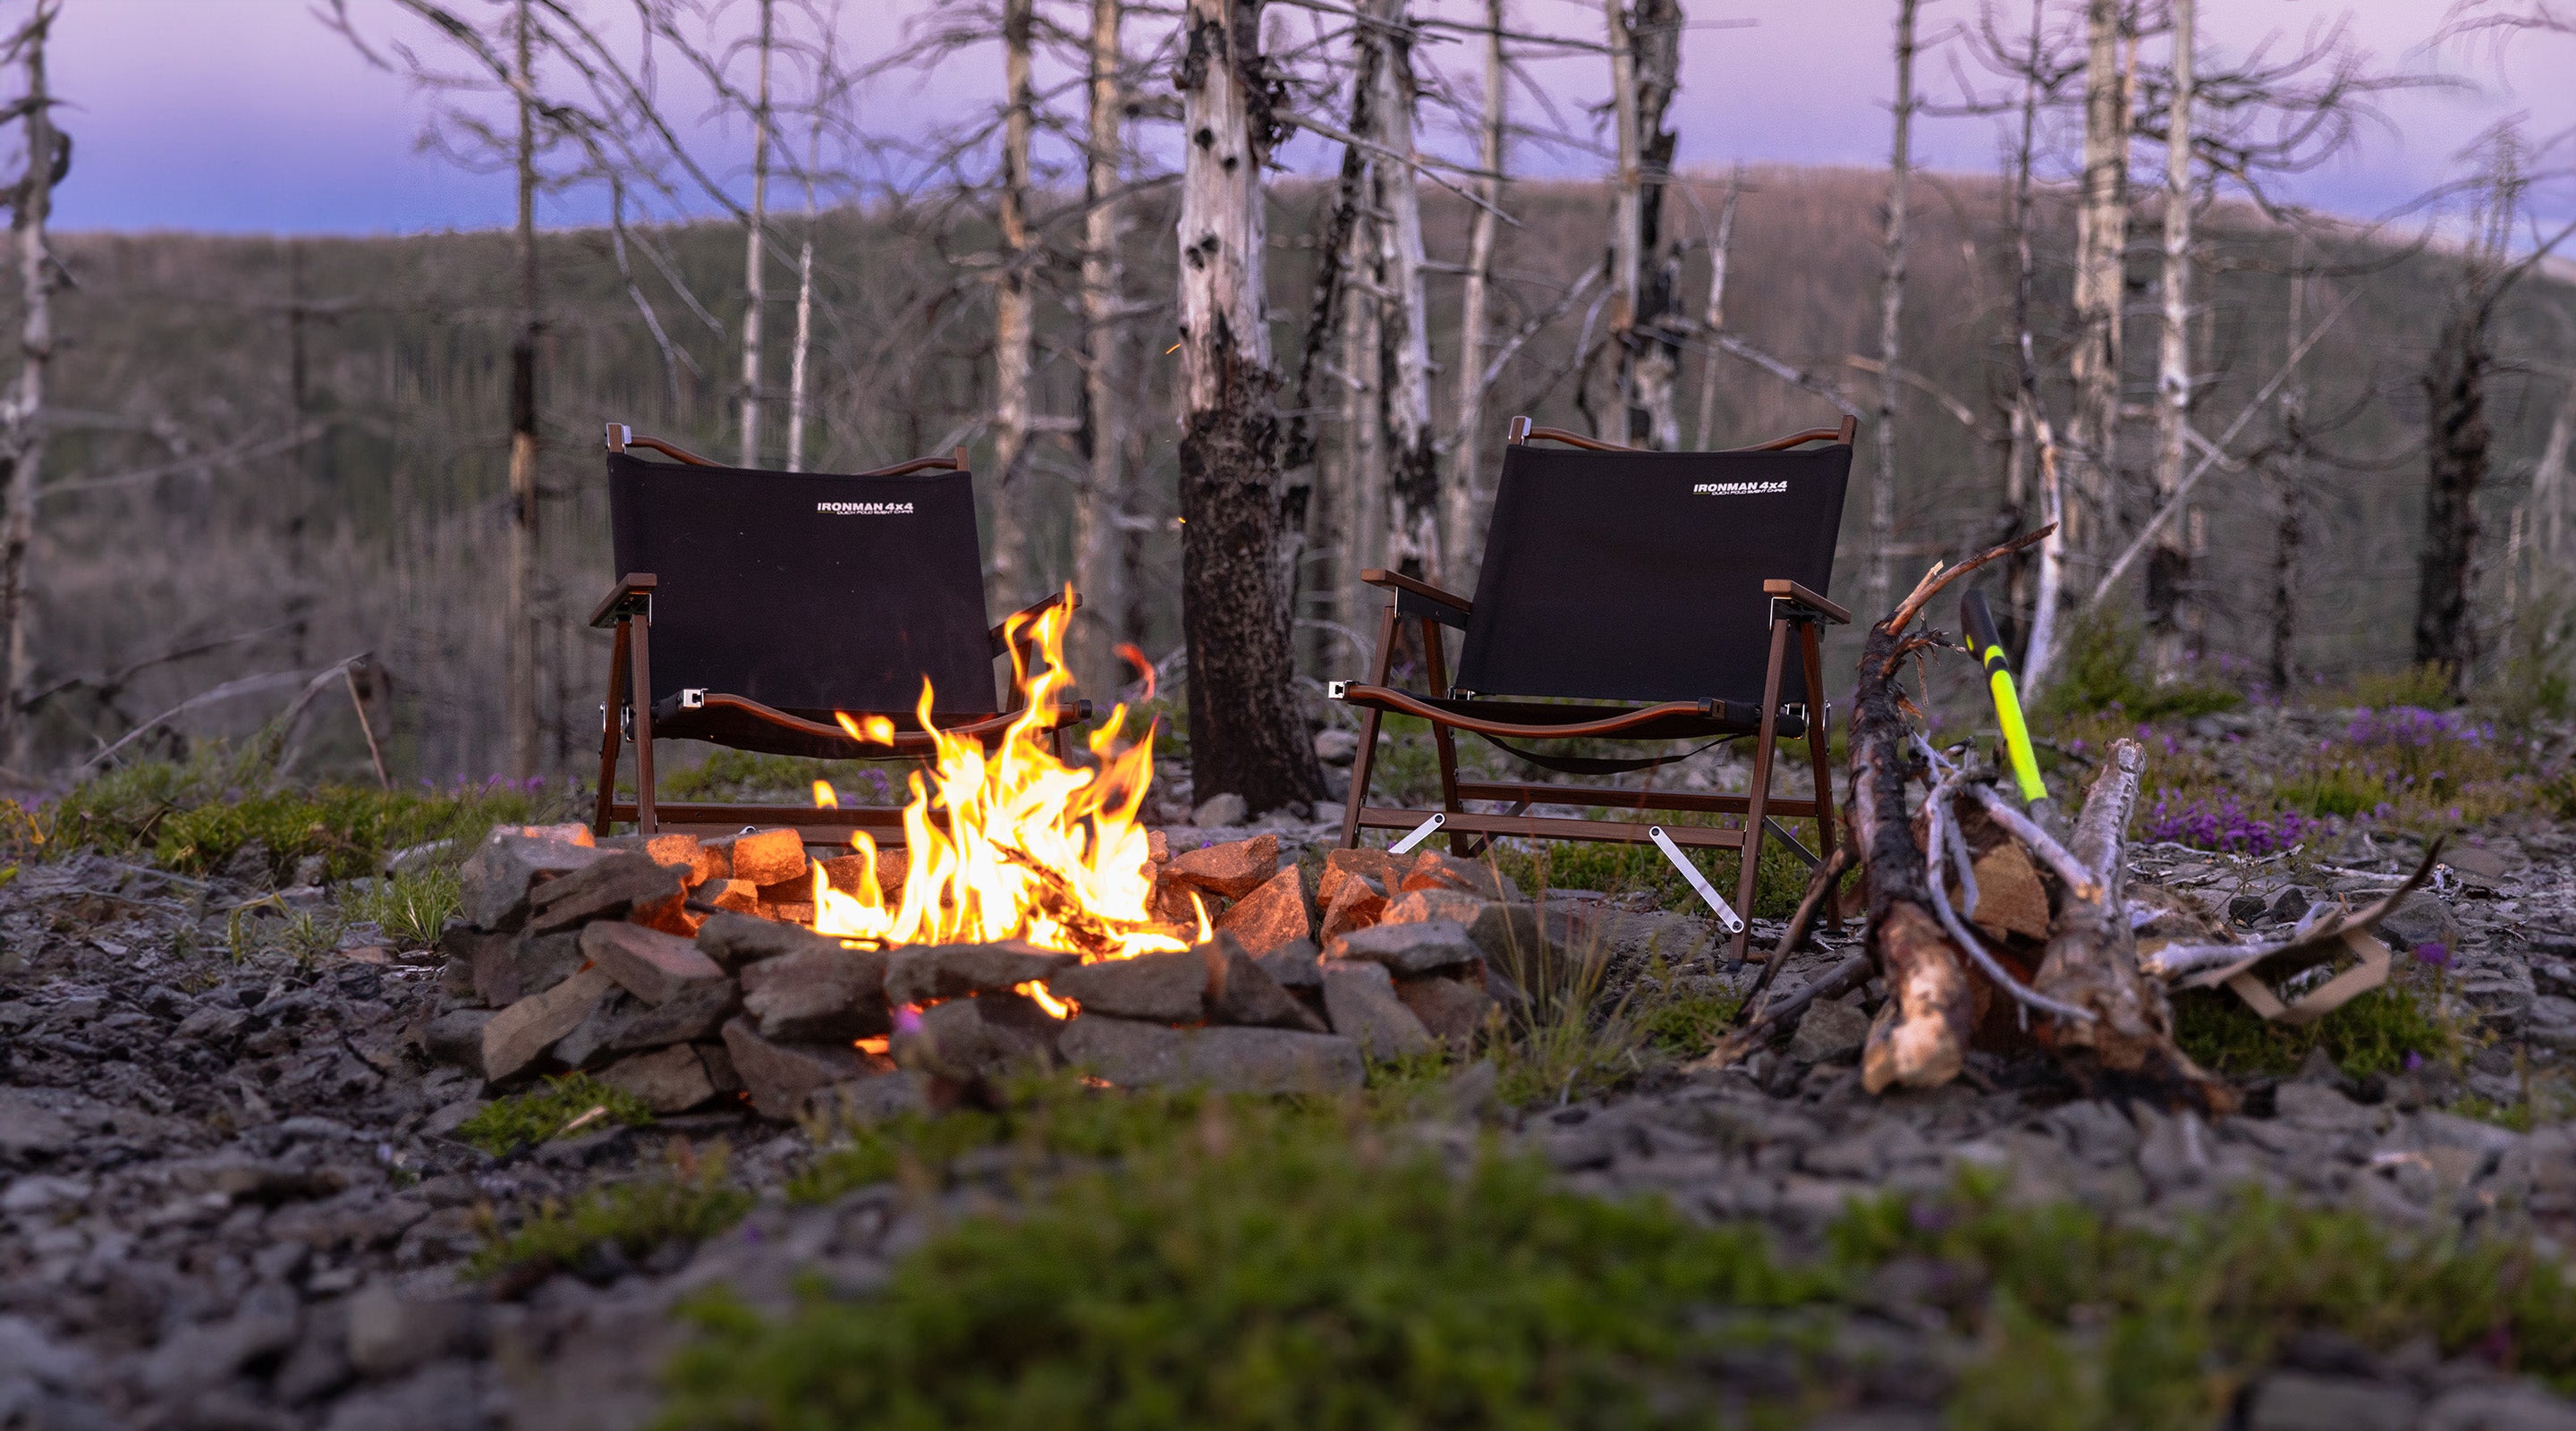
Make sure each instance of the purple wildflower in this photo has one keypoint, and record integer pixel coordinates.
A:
(2414, 1060)
(2225, 825)
(2433, 953)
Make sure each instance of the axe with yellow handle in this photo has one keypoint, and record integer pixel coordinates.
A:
(1989, 651)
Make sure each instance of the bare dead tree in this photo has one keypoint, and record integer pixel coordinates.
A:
(1097, 548)
(755, 247)
(2101, 241)
(1404, 393)
(2289, 479)
(1462, 502)
(1247, 736)
(1891, 305)
(1645, 71)
(2175, 624)
(526, 514)
(22, 415)
(1014, 310)
(2458, 437)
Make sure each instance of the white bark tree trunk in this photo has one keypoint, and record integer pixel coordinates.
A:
(754, 247)
(1098, 550)
(2101, 238)
(1713, 321)
(1645, 63)
(2173, 618)
(1014, 332)
(524, 496)
(1891, 306)
(1627, 194)
(2549, 484)
(1413, 462)
(1247, 734)
(1462, 509)
(804, 342)
(22, 425)
(2024, 448)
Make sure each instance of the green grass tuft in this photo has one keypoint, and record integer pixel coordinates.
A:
(2101, 669)
(413, 905)
(689, 1202)
(2372, 1034)
(540, 1113)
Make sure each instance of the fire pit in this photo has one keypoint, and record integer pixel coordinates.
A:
(1029, 921)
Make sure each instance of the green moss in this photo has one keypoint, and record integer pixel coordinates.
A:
(542, 1113)
(689, 1202)
(1618, 869)
(1270, 1265)
(1687, 1025)
(2372, 1034)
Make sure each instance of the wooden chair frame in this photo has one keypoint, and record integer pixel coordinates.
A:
(628, 610)
(1795, 614)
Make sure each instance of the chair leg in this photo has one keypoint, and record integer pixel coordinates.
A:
(1365, 760)
(1444, 743)
(645, 823)
(1820, 761)
(1759, 797)
(612, 730)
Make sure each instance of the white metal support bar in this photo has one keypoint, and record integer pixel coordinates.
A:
(1418, 834)
(1726, 915)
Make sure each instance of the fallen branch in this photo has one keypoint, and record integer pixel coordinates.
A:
(1841, 979)
(2199, 966)
(1820, 886)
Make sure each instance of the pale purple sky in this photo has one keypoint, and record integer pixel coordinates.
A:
(249, 116)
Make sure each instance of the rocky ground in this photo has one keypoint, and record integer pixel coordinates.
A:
(230, 1195)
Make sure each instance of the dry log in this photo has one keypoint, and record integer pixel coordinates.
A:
(2127, 1048)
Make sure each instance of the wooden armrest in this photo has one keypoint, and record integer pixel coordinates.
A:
(1782, 589)
(1398, 581)
(622, 600)
(1520, 431)
(621, 437)
(1001, 642)
(955, 461)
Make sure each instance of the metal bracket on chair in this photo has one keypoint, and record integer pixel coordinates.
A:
(1797, 709)
(693, 698)
(1335, 690)
(1781, 832)
(1419, 833)
(1726, 916)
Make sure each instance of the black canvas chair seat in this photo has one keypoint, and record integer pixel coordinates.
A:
(1684, 586)
(754, 607)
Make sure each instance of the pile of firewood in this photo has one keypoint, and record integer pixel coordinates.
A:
(681, 970)
(1994, 925)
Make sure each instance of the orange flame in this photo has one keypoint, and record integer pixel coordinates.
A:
(824, 799)
(1026, 846)
(1135, 656)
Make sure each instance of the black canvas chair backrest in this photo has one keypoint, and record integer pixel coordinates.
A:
(1638, 576)
(807, 592)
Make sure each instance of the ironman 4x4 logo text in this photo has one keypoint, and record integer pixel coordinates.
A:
(864, 509)
(1736, 489)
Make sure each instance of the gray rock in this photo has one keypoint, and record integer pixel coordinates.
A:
(587, 1046)
(2315, 1105)
(2498, 1406)
(870, 1101)
(442, 1397)
(214, 1024)
(1416, 948)
(622, 884)
(499, 874)
(817, 992)
(1831, 1031)
(1293, 966)
(762, 856)
(735, 940)
(198, 1357)
(668, 1080)
(514, 1037)
(697, 1014)
(948, 971)
(1133, 1054)
(1452, 1010)
(978, 1039)
(390, 1334)
(1245, 992)
(455, 1038)
(781, 1076)
(29, 1128)
(2297, 1401)
(653, 966)
(319, 1363)
(536, 963)
(2422, 919)
(1360, 1000)
(1170, 987)
(1220, 811)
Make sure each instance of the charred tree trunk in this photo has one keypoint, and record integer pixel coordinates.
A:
(1404, 388)
(1891, 306)
(2456, 440)
(1014, 332)
(1098, 567)
(1462, 500)
(2290, 494)
(22, 425)
(2174, 621)
(755, 268)
(1247, 736)
(2022, 455)
(524, 496)
(1645, 68)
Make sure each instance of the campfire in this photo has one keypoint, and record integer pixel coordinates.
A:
(1013, 843)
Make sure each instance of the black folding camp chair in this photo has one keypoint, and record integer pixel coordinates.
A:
(781, 600)
(1671, 582)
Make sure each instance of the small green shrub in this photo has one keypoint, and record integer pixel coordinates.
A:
(2375, 1033)
(2344, 789)
(2425, 687)
(1687, 1025)
(542, 1113)
(689, 1202)
(413, 905)
(2103, 667)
